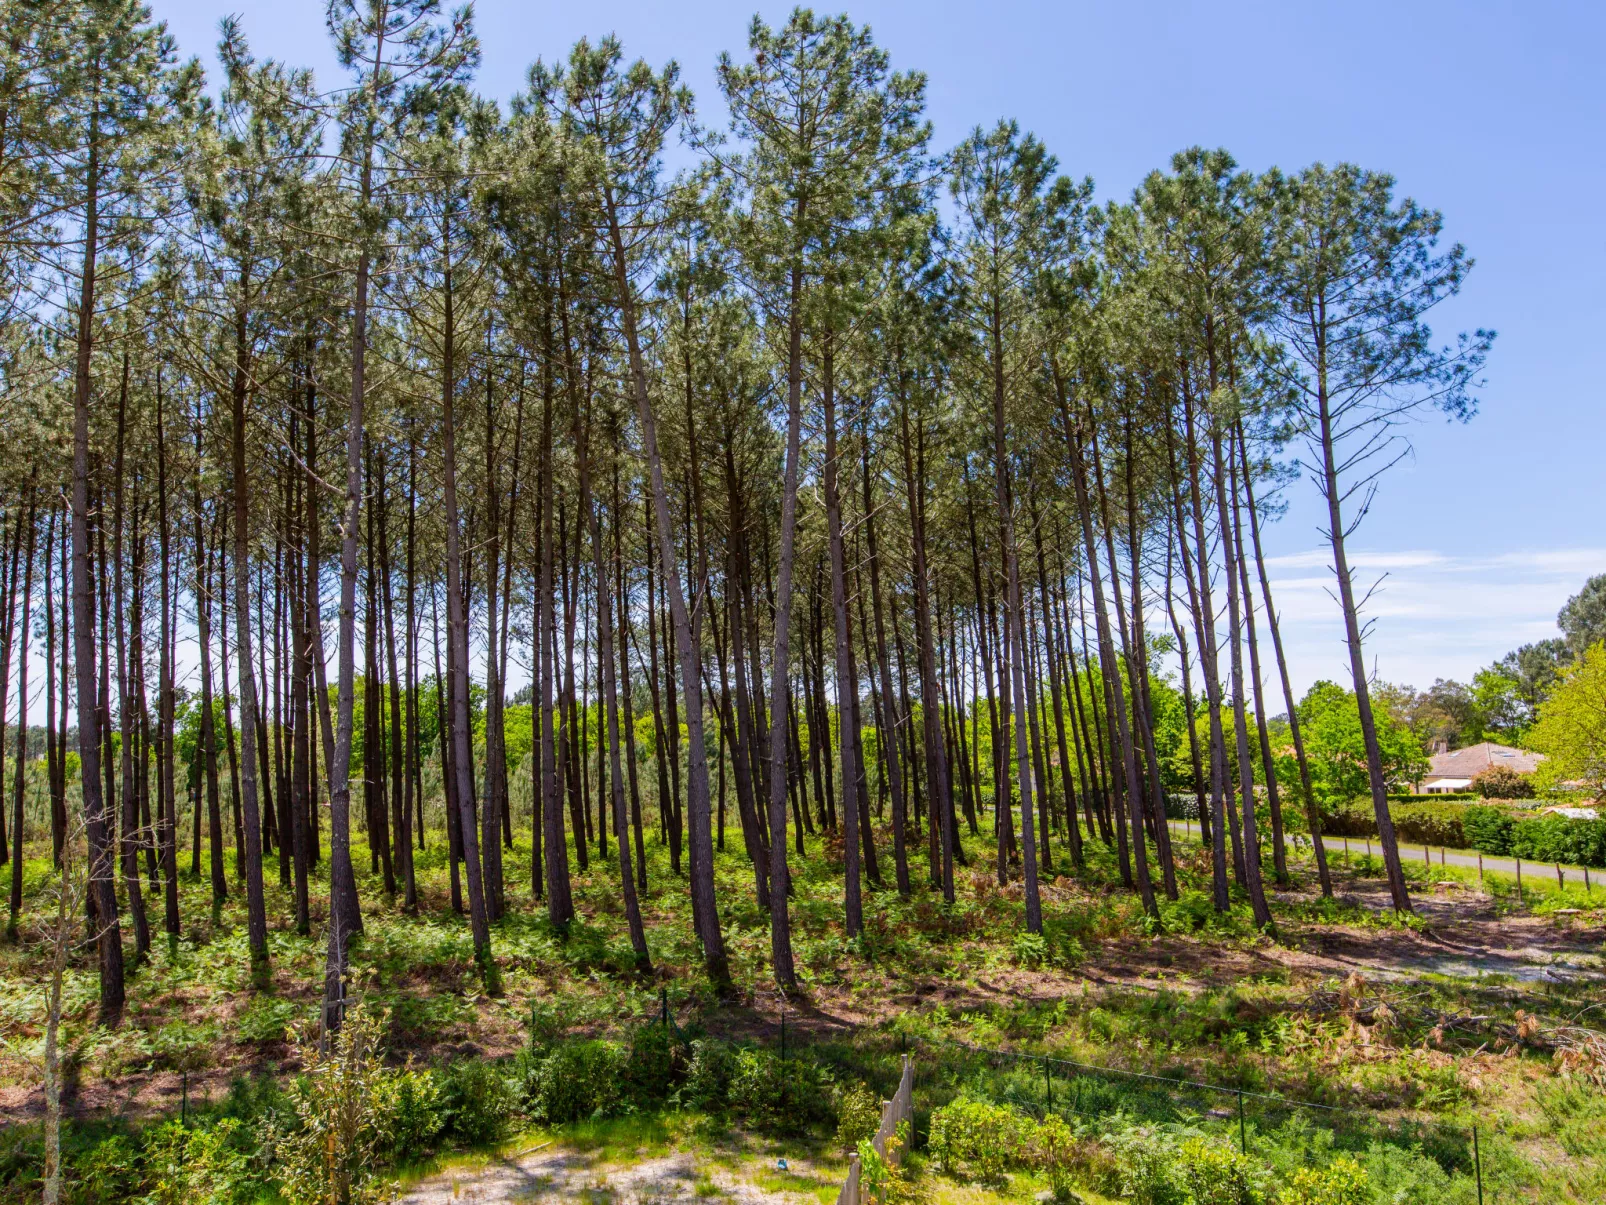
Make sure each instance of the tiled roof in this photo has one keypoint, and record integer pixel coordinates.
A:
(1466, 763)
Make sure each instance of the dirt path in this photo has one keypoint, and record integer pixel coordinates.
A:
(554, 1174)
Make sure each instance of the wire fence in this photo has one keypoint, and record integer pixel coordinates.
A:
(924, 1073)
(938, 1070)
(1041, 1084)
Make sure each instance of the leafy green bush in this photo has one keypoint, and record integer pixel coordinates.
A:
(184, 1165)
(1502, 782)
(1193, 911)
(1215, 1174)
(1167, 1166)
(776, 1094)
(708, 1077)
(266, 1019)
(1429, 820)
(1488, 829)
(1030, 949)
(1146, 1169)
(332, 1152)
(1341, 1182)
(884, 1181)
(858, 1116)
(1352, 819)
(1541, 838)
(575, 1081)
(656, 1064)
(1560, 839)
(1434, 823)
(109, 1172)
(976, 1139)
(415, 1112)
(1054, 1149)
(476, 1101)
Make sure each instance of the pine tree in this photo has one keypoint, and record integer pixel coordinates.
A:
(1355, 275)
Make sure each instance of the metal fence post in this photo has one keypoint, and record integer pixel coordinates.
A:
(1243, 1134)
(1477, 1164)
(1048, 1082)
(663, 1000)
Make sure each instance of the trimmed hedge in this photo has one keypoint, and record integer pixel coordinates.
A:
(1489, 829)
(1440, 797)
(1436, 823)
(1541, 838)
(1492, 830)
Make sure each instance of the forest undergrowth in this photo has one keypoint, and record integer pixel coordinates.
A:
(1405, 1063)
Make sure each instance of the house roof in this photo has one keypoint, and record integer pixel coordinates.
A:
(1466, 763)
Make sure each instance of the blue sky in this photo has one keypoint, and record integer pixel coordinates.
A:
(1494, 113)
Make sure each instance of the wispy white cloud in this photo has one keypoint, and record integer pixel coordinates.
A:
(1430, 615)
(1322, 557)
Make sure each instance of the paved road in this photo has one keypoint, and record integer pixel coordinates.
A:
(1533, 873)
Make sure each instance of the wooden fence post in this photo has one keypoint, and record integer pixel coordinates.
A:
(850, 1187)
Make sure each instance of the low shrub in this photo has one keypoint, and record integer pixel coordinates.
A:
(266, 1018)
(172, 1164)
(184, 1165)
(1054, 1148)
(976, 1139)
(1145, 1169)
(1191, 912)
(1215, 1174)
(1430, 820)
(575, 1081)
(1352, 819)
(776, 1094)
(1431, 823)
(858, 1116)
(708, 1077)
(1341, 1182)
(656, 1063)
(476, 1101)
(415, 1112)
(1030, 949)
(109, 1172)
(332, 1152)
(886, 1181)
(1541, 838)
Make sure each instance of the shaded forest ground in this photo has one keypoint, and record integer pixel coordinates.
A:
(1437, 1019)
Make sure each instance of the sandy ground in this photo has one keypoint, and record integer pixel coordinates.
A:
(553, 1174)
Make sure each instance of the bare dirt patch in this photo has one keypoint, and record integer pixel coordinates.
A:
(556, 1174)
